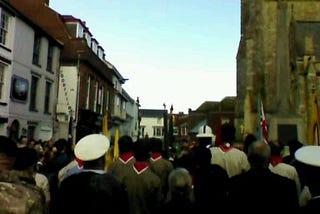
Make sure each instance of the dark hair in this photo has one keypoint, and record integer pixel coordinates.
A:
(125, 144)
(201, 156)
(276, 148)
(25, 158)
(249, 139)
(7, 146)
(142, 149)
(228, 132)
(156, 144)
(294, 145)
(61, 144)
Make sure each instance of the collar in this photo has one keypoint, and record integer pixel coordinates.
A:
(225, 147)
(155, 156)
(98, 171)
(140, 166)
(275, 160)
(126, 157)
(80, 162)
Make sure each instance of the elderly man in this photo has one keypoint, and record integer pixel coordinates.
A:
(16, 196)
(92, 190)
(259, 188)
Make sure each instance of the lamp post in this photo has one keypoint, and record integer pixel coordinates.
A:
(170, 128)
(139, 118)
(165, 130)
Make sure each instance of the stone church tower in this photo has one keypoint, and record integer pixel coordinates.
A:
(278, 61)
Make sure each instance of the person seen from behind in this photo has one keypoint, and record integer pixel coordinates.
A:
(92, 190)
(17, 196)
(158, 164)
(142, 185)
(309, 158)
(233, 160)
(259, 188)
(180, 198)
(125, 160)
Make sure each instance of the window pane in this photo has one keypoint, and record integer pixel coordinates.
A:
(33, 93)
(2, 69)
(36, 49)
(50, 58)
(47, 97)
(4, 28)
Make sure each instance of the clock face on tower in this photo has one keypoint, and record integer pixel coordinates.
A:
(19, 89)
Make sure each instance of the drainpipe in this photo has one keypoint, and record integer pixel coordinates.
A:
(78, 97)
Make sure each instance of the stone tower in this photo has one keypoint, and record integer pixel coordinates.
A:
(278, 60)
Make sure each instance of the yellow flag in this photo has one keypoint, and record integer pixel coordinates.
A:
(313, 128)
(116, 144)
(105, 125)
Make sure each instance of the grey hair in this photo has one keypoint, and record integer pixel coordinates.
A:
(259, 154)
(180, 184)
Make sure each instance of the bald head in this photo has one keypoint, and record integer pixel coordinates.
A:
(259, 154)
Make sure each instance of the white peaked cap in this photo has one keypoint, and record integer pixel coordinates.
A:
(205, 131)
(91, 147)
(309, 155)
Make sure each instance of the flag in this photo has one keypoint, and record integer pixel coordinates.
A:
(218, 140)
(105, 125)
(116, 144)
(313, 129)
(263, 126)
(113, 152)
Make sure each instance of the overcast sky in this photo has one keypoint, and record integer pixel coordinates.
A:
(177, 52)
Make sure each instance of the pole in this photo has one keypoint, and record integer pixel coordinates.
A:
(165, 130)
(139, 118)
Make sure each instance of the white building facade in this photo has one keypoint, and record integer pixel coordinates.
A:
(29, 61)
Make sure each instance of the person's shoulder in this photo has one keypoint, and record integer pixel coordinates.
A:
(24, 195)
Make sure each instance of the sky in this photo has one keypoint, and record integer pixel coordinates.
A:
(177, 52)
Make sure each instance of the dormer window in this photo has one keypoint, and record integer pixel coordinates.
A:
(87, 35)
(94, 46)
(75, 29)
(80, 30)
(100, 52)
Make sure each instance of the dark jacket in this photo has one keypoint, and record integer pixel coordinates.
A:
(262, 189)
(91, 192)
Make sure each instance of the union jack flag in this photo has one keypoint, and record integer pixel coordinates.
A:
(263, 123)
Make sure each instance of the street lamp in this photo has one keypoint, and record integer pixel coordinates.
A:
(165, 130)
(139, 118)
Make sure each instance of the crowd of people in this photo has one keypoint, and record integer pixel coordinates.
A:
(53, 177)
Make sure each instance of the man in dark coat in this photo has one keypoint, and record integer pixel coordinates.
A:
(309, 160)
(261, 189)
(210, 180)
(92, 190)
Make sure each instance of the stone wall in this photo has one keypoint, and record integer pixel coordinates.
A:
(275, 37)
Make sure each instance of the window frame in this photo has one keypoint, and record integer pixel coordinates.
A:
(34, 92)
(3, 68)
(4, 27)
(47, 95)
(50, 58)
(36, 49)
